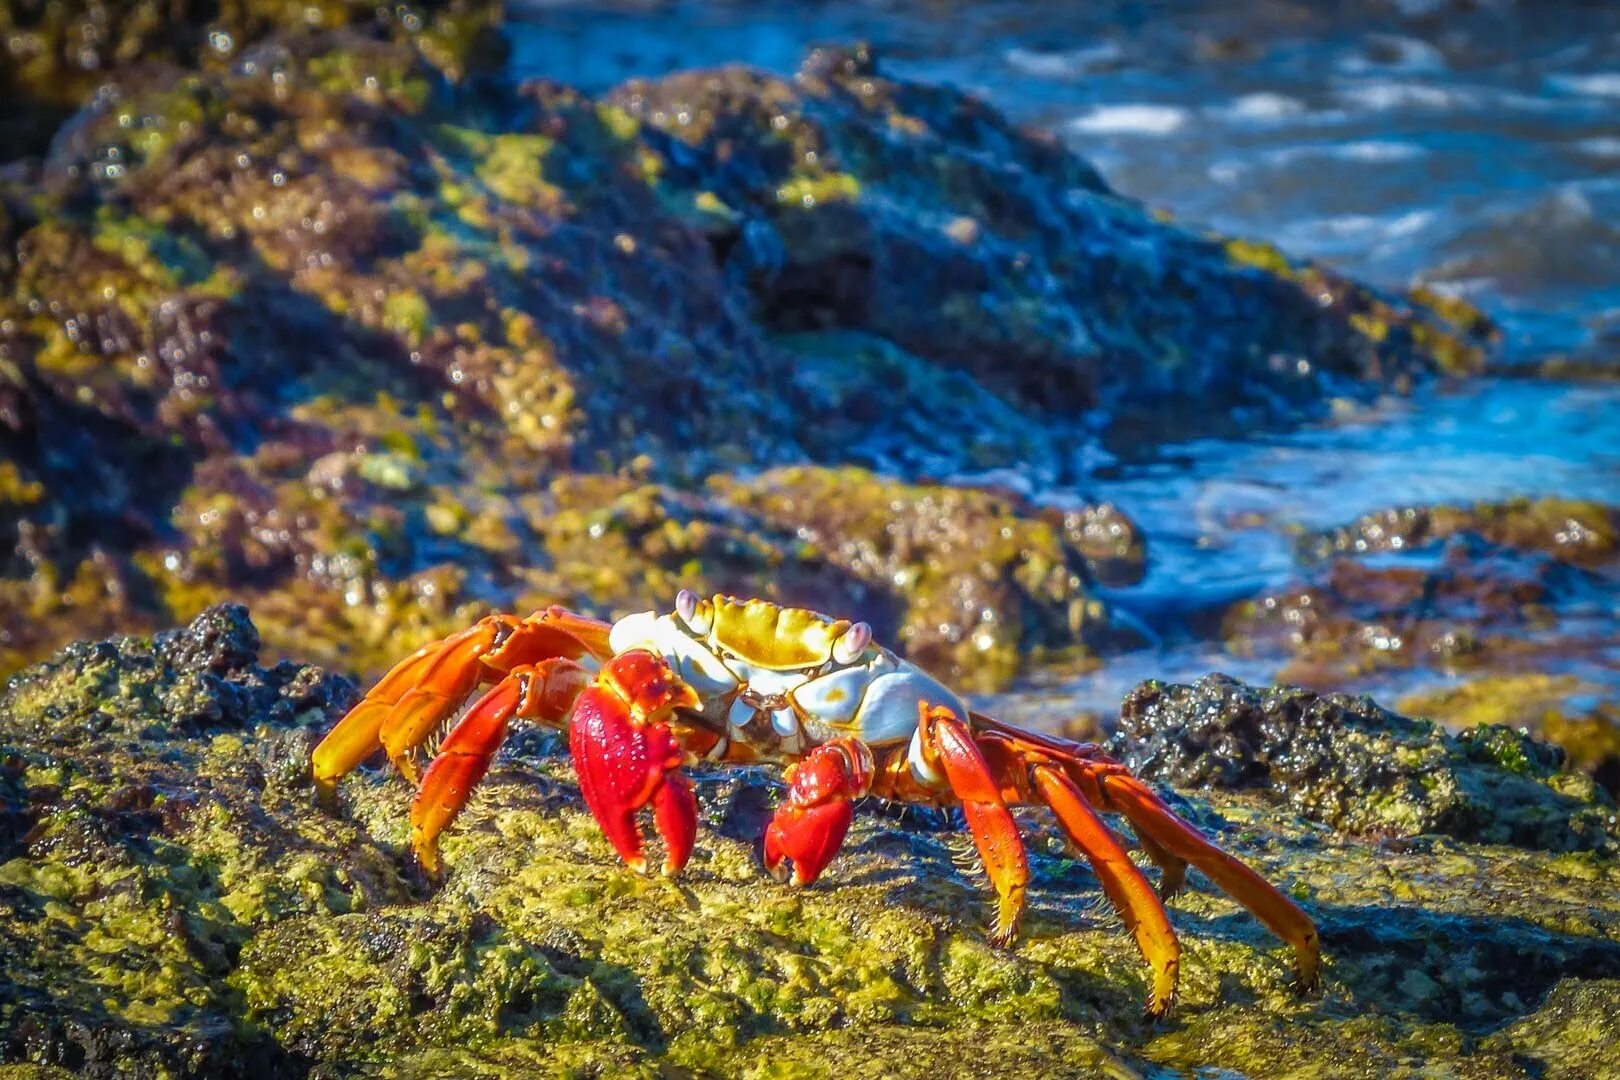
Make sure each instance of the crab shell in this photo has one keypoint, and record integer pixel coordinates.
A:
(784, 680)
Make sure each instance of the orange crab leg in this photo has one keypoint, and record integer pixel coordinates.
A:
(810, 826)
(1153, 819)
(626, 756)
(423, 690)
(545, 691)
(1125, 886)
(947, 741)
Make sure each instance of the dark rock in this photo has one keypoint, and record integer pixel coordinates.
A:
(1354, 765)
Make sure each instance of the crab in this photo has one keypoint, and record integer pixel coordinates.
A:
(731, 681)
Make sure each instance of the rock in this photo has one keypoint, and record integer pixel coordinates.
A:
(1493, 590)
(1351, 764)
(314, 326)
(1571, 531)
(178, 904)
(1562, 709)
(57, 54)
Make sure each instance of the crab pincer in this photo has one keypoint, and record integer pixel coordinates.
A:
(626, 756)
(809, 826)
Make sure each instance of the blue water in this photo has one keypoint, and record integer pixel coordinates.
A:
(1472, 147)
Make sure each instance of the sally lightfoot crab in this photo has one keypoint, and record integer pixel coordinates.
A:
(729, 681)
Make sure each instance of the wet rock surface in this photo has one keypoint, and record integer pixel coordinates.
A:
(316, 326)
(175, 902)
(1354, 765)
(1502, 611)
(57, 55)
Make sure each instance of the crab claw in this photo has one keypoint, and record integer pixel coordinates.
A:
(626, 756)
(809, 827)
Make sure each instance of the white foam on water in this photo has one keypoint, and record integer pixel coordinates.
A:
(1600, 146)
(1061, 64)
(1372, 151)
(1138, 119)
(1598, 84)
(1391, 52)
(1262, 107)
(1386, 95)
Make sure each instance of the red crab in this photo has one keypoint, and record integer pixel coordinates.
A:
(727, 680)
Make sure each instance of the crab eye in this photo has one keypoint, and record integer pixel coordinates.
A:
(848, 648)
(686, 606)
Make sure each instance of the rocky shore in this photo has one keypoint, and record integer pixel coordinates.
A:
(334, 324)
(173, 902)
(313, 309)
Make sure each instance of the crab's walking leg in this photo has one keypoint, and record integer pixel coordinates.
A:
(627, 757)
(947, 742)
(810, 826)
(1127, 889)
(545, 692)
(425, 689)
(1155, 821)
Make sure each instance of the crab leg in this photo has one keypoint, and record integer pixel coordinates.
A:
(627, 757)
(810, 826)
(545, 692)
(425, 689)
(947, 743)
(1124, 884)
(1156, 822)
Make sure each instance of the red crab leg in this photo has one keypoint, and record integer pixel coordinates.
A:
(1153, 819)
(946, 739)
(545, 692)
(1125, 886)
(424, 689)
(626, 756)
(810, 826)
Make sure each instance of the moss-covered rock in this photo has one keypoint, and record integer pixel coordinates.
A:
(177, 904)
(1581, 533)
(1412, 599)
(314, 325)
(1357, 766)
(1562, 709)
(55, 54)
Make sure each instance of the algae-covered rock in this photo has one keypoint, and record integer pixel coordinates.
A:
(1569, 530)
(1495, 611)
(1357, 766)
(1562, 709)
(313, 324)
(176, 904)
(55, 54)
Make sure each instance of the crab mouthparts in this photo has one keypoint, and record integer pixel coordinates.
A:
(762, 702)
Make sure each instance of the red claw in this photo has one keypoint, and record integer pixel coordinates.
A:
(810, 826)
(626, 757)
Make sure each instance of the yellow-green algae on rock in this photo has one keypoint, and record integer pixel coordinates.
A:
(173, 903)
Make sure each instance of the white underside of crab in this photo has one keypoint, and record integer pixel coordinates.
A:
(855, 689)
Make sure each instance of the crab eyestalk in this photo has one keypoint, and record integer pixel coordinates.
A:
(626, 757)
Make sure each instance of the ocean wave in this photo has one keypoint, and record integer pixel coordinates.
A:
(1598, 84)
(1135, 119)
(1062, 63)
